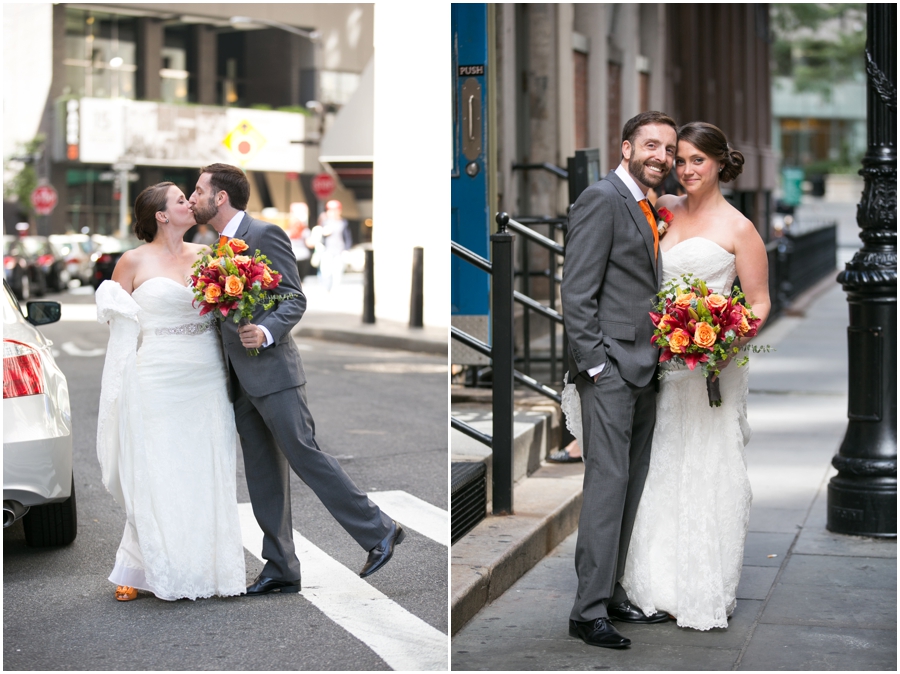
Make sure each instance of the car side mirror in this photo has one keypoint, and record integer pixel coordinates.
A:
(44, 312)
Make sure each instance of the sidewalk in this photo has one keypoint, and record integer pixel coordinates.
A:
(337, 316)
(808, 599)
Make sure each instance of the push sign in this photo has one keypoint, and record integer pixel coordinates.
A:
(469, 71)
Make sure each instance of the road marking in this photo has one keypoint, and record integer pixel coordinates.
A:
(404, 641)
(414, 513)
(73, 350)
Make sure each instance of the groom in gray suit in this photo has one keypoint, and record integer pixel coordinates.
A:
(269, 392)
(611, 276)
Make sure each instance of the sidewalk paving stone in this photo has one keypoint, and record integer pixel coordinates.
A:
(813, 648)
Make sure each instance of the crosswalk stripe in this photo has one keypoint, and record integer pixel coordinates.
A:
(404, 641)
(414, 513)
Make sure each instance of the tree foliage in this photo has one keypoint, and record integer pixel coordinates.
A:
(818, 44)
(22, 184)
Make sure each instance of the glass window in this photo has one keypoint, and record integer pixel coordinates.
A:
(176, 65)
(100, 54)
(337, 87)
(231, 85)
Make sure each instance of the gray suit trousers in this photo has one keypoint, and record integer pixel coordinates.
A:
(277, 433)
(618, 419)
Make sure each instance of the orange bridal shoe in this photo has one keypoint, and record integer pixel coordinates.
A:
(125, 593)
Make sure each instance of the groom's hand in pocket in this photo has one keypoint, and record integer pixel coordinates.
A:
(252, 336)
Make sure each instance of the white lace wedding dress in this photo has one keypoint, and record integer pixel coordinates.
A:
(688, 540)
(166, 442)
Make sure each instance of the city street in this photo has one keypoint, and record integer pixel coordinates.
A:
(381, 412)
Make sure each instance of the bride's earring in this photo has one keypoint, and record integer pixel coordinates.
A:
(167, 219)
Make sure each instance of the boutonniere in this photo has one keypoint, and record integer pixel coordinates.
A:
(665, 218)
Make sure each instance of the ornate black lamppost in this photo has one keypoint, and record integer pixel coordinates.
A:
(862, 497)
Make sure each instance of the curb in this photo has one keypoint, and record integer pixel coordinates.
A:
(547, 508)
(375, 339)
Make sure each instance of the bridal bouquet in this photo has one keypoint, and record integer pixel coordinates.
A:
(231, 284)
(697, 327)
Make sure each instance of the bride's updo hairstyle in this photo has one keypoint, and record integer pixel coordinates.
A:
(146, 206)
(712, 142)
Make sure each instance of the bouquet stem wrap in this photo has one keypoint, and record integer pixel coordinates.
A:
(712, 390)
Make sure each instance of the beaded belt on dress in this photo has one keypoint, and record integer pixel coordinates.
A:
(187, 329)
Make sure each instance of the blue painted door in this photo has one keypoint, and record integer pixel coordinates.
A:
(470, 219)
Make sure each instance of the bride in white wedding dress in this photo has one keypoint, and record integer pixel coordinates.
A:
(166, 438)
(687, 544)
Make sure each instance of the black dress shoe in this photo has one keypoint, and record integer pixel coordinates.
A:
(563, 456)
(382, 553)
(265, 585)
(599, 632)
(629, 613)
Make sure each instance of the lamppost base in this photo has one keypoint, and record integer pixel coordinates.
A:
(861, 506)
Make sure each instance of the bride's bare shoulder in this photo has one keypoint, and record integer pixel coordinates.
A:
(197, 248)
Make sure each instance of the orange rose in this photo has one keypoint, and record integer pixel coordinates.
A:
(679, 341)
(266, 277)
(716, 302)
(237, 245)
(234, 286)
(212, 294)
(744, 327)
(704, 335)
(666, 322)
(685, 299)
(241, 259)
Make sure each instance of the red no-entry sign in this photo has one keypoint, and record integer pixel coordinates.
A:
(323, 185)
(44, 199)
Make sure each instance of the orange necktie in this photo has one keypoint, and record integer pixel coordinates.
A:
(648, 212)
(223, 240)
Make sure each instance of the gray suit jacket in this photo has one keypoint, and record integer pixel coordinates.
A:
(610, 280)
(277, 367)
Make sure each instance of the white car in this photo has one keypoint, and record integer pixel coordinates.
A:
(38, 484)
(76, 250)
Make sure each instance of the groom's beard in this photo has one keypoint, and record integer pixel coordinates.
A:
(639, 170)
(203, 214)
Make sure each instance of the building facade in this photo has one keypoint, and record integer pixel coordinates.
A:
(140, 93)
(564, 77)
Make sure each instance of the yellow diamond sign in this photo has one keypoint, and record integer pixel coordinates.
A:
(244, 142)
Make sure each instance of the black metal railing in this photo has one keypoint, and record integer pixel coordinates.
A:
(501, 351)
(797, 261)
(552, 274)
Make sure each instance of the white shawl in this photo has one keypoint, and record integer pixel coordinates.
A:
(118, 308)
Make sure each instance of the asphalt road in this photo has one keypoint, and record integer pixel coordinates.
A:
(382, 413)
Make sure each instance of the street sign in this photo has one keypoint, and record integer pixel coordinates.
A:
(44, 199)
(323, 185)
(244, 141)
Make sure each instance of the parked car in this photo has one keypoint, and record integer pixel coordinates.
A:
(76, 250)
(49, 259)
(21, 271)
(38, 483)
(107, 255)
